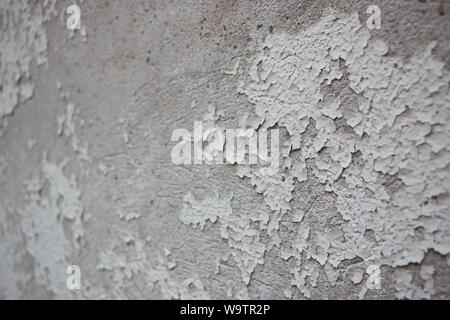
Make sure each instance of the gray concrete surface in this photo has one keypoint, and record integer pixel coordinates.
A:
(86, 119)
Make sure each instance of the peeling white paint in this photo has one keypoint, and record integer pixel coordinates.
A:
(402, 123)
(377, 150)
(19, 47)
(52, 199)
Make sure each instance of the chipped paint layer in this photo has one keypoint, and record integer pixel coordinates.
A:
(52, 200)
(86, 177)
(19, 47)
(399, 123)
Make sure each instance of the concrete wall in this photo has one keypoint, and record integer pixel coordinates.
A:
(87, 177)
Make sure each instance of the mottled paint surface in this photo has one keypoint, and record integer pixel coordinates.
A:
(85, 152)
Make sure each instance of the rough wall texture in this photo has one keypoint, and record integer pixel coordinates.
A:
(86, 175)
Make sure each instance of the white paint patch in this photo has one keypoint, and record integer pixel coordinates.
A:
(401, 123)
(52, 200)
(19, 47)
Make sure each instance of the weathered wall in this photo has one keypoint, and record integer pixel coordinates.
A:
(86, 175)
